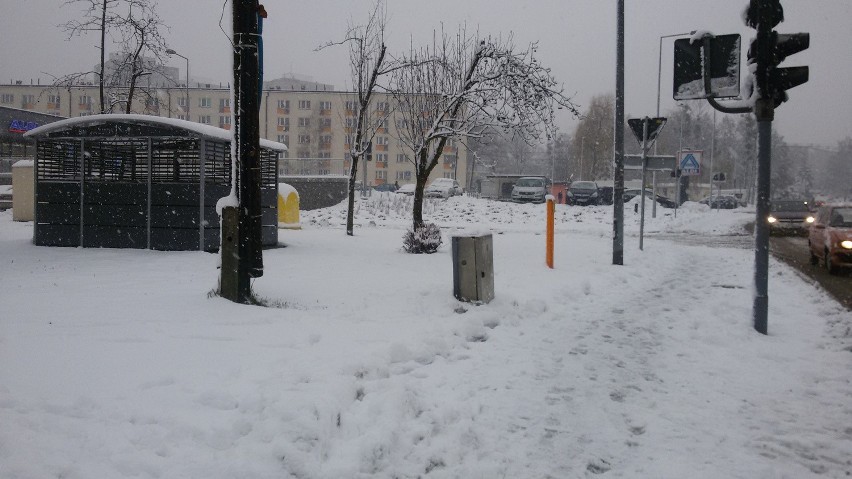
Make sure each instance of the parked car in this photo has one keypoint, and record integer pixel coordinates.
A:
(830, 237)
(584, 193)
(407, 189)
(530, 188)
(390, 187)
(789, 217)
(724, 202)
(663, 201)
(443, 188)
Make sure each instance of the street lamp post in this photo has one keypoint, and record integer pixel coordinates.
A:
(172, 52)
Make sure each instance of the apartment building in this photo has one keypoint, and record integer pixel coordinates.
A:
(316, 125)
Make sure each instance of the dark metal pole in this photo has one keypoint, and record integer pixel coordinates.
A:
(247, 144)
(642, 187)
(761, 226)
(764, 112)
(618, 177)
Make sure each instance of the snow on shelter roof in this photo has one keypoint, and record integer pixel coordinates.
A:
(202, 131)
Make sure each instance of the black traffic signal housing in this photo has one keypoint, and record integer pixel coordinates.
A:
(770, 48)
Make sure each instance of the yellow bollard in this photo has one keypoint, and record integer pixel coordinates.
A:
(551, 211)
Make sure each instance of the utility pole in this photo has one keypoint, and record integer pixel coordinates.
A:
(618, 177)
(246, 252)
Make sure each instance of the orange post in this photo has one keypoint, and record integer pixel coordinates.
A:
(551, 210)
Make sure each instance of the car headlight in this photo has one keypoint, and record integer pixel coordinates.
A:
(594, 194)
(846, 244)
(771, 219)
(809, 219)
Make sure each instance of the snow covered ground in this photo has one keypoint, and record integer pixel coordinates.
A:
(117, 363)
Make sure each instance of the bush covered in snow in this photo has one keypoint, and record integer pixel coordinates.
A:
(426, 239)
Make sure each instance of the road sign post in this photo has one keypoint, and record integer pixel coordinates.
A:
(646, 131)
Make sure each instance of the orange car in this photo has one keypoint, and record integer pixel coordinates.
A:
(830, 237)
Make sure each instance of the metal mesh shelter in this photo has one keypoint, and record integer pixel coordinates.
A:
(138, 181)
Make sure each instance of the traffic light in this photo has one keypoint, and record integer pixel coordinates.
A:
(770, 48)
(782, 79)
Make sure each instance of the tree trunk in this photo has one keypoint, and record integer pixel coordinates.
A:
(420, 185)
(103, 50)
(350, 208)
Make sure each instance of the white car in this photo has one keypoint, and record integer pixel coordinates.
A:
(443, 188)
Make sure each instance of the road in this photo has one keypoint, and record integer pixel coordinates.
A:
(794, 251)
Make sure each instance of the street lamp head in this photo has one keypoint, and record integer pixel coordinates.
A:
(169, 51)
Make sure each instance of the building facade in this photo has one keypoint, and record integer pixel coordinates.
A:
(316, 125)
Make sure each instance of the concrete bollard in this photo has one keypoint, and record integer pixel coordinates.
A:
(473, 268)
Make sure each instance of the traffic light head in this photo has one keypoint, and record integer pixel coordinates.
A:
(769, 11)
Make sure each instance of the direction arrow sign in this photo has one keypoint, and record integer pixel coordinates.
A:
(654, 163)
(690, 162)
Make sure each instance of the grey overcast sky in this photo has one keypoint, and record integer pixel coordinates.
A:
(576, 39)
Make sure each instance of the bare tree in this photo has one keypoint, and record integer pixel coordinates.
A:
(135, 27)
(464, 87)
(593, 140)
(367, 63)
(143, 47)
(98, 16)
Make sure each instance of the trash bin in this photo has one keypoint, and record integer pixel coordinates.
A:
(473, 268)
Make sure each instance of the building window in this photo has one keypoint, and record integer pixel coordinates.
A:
(224, 120)
(348, 140)
(325, 105)
(403, 175)
(324, 154)
(401, 158)
(27, 100)
(182, 117)
(53, 102)
(284, 124)
(325, 139)
(304, 104)
(401, 124)
(181, 101)
(224, 103)
(304, 139)
(204, 119)
(382, 157)
(384, 124)
(350, 105)
(205, 102)
(382, 140)
(325, 122)
(84, 113)
(449, 174)
(7, 98)
(152, 102)
(383, 106)
(284, 139)
(381, 174)
(350, 123)
(284, 104)
(304, 122)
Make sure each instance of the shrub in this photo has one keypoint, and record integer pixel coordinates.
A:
(426, 239)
